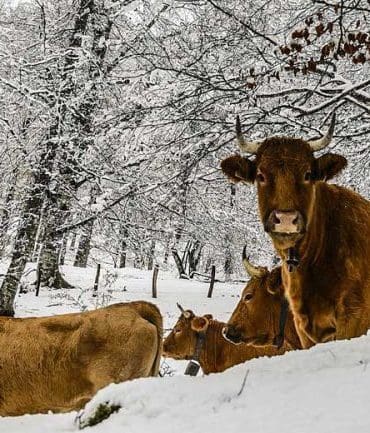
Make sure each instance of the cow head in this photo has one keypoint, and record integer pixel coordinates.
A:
(286, 173)
(256, 317)
(181, 342)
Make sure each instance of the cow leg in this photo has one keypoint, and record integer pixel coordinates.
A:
(301, 323)
(318, 327)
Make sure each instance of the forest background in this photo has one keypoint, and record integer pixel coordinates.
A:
(115, 115)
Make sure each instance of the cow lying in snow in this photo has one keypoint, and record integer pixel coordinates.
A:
(255, 319)
(200, 338)
(58, 363)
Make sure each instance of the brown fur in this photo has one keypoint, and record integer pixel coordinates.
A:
(256, 317)
(58, 363)
(329, 292)
(217, 354)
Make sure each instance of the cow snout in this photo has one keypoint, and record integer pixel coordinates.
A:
(231, 334)
(166, 348)
(289, 222)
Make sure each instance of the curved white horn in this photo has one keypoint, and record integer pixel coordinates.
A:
(245, 146)
(252, 271)
(187, 313)
(322, 142)
(180, 307)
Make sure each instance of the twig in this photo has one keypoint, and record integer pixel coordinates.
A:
(243, 384)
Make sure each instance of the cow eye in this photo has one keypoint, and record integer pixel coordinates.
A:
(307, 176)
(248, 296)
(260, 178)
(177, 331)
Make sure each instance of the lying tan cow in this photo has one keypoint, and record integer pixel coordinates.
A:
(200, 338)
(58, 363)
(256, 318)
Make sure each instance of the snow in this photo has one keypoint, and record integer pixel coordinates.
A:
(322, 390)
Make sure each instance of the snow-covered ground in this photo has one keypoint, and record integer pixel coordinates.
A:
(323, 390)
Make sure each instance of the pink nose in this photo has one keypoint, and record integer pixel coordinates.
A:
(286, 221)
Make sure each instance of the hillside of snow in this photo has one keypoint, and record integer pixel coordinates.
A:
(325, 389)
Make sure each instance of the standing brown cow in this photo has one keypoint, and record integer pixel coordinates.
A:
(321, 231)
(58, 363)
(200, 338)
(256, 318)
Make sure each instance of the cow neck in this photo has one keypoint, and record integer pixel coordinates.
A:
(291, 339)
(279, 337)
(199, 344)
(209, 355)
(311, 249)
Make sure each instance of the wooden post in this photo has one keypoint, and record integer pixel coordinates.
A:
(96, 283)
(154, 281)
(38, 281)
(212, 283)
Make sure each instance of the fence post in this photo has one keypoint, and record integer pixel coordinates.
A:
(154, 281)
(38, 281)
(96, 283)
(212, 283)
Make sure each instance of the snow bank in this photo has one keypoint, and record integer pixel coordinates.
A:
(325, 389)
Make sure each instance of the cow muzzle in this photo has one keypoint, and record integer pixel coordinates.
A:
(287, 222)
(231, 334)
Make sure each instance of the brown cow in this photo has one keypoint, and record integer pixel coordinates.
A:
(321, 231)
(256, 318)
(200, 338)
(58, 363)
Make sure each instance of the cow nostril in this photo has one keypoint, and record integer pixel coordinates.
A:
(275, 218)
(231, 332)
(295, 220)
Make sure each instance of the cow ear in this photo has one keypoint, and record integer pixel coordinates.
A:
(275, 282)
(239, 169)
(329, 165)
(199, 324)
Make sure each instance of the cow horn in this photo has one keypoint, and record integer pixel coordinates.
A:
(322, 142)
(245, 146)
(252, 271)
(180, 307)
(187, 314)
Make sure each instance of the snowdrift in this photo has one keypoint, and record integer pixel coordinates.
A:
(325, 389)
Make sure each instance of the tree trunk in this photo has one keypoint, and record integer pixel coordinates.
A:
(23, 242)
(63, 250)
(34, 256)
(228, 264)
(51, 247)
(25, 238)
(5, 215)
(151, 255)
(166, 251)
(123, 247)
(180, 267)
(194, 257)
(81, 123)
(84, 245)
(207, 266)
(73, 241)
(122, 255)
